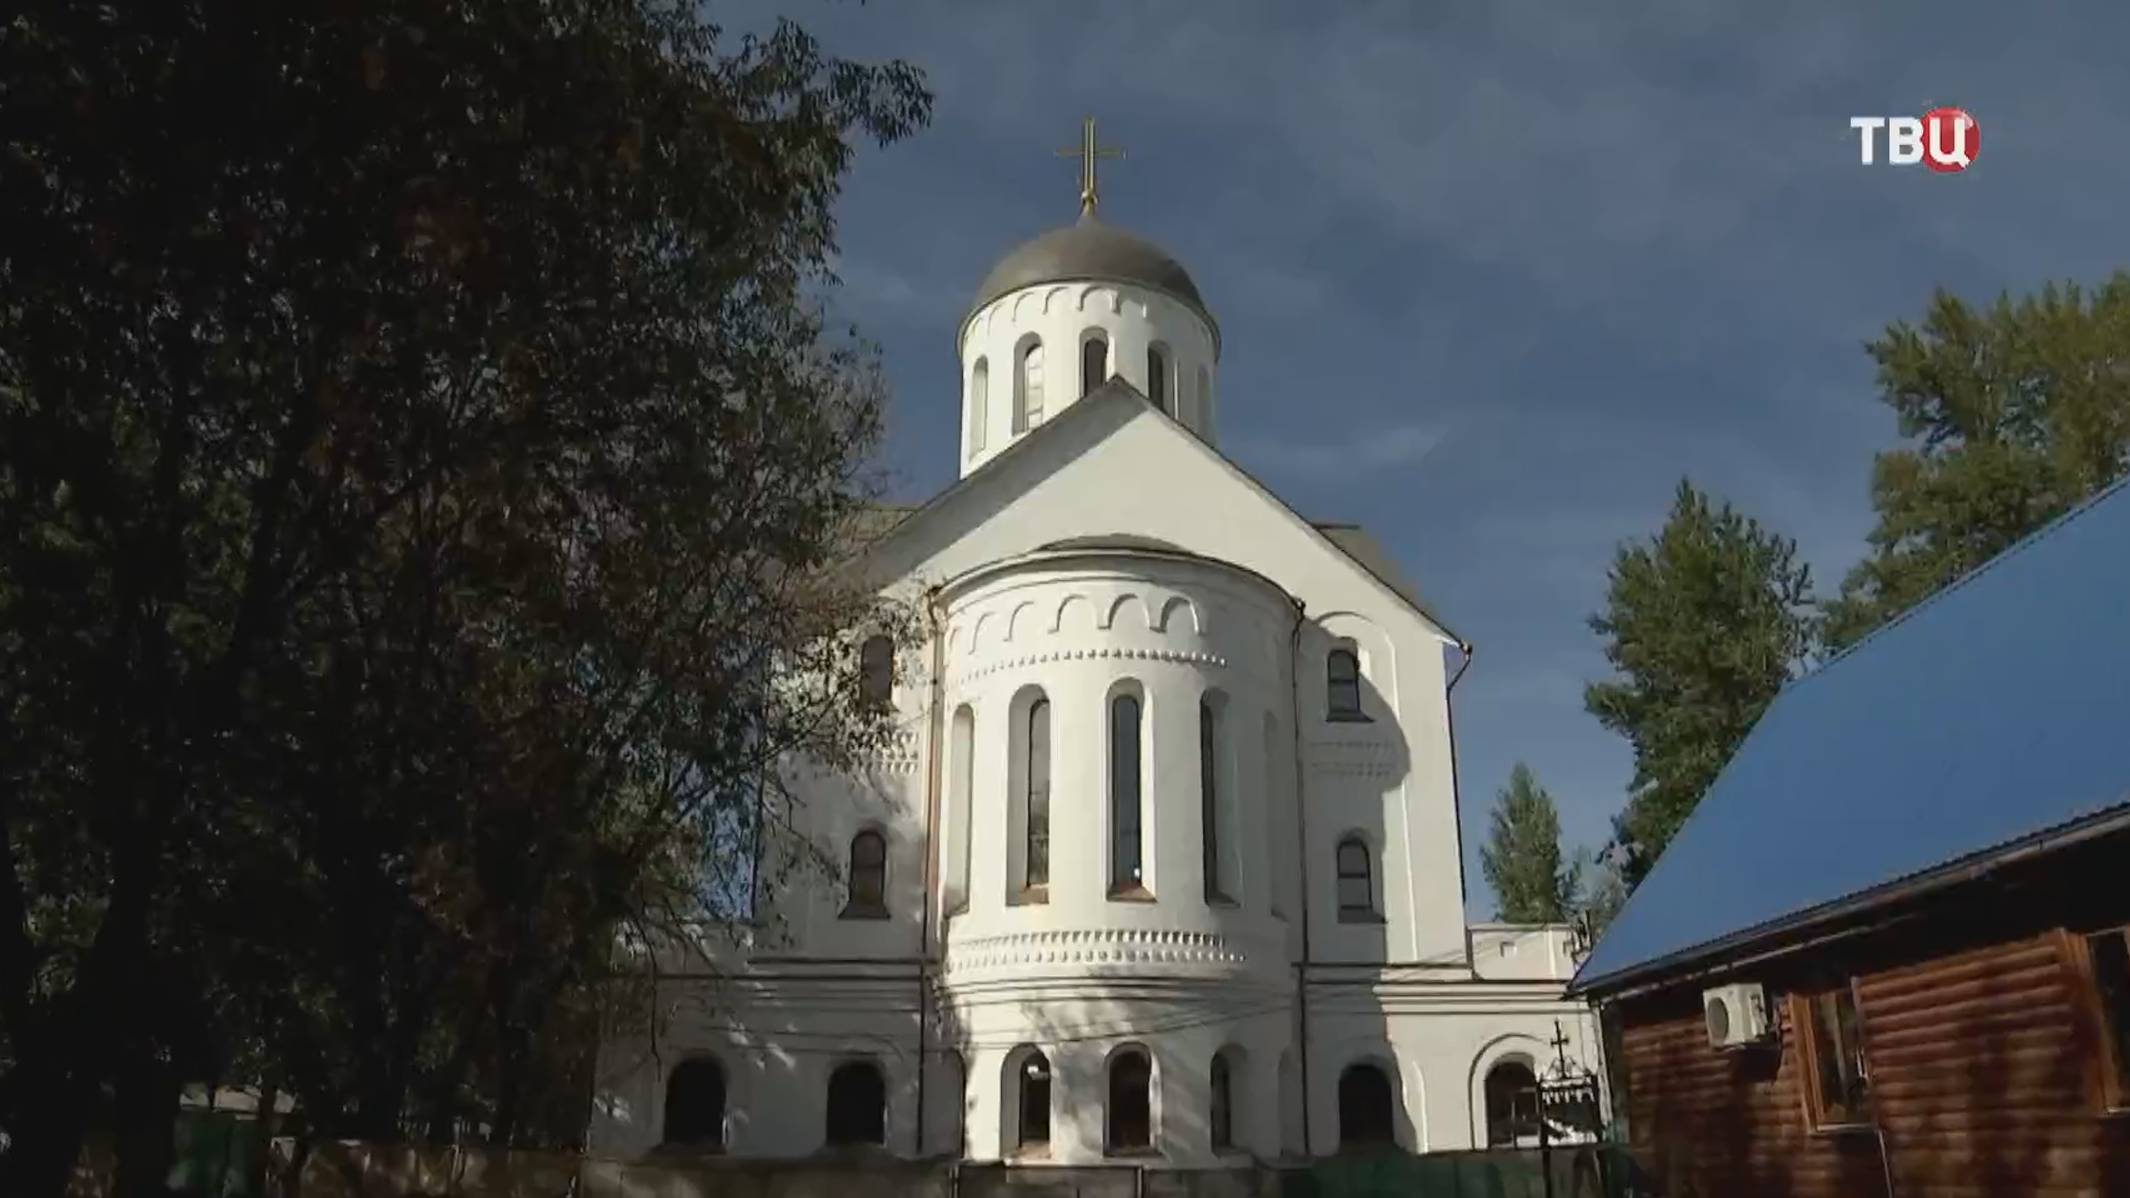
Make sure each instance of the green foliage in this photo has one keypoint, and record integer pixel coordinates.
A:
(1522, 856)
(1703, 624)
(416, 450)
(2018, 412)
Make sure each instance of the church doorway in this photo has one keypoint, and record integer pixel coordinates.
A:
(857, 1104)
(1366, 1108)
(695, 1105)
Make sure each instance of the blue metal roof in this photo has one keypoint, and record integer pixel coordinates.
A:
(1995, 710)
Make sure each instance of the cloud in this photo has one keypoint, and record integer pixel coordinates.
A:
(1366, 452)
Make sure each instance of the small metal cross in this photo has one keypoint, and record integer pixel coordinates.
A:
(1088, 152)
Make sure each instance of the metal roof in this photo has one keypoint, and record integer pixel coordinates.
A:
(1996, 710)
(1091, 250)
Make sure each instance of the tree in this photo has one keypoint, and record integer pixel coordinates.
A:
(417, 446)
(1522, 856)
(2018, 413)
(1704, 624)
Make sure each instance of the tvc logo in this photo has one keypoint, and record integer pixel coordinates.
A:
(1946, 140)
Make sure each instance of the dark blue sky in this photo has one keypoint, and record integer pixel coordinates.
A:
(1491, 278)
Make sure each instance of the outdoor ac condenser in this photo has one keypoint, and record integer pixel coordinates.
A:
(1737, 1015)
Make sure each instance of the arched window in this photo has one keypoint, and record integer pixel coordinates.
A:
(1028, 387)
(1036, 798)
(868, 877)
(1125, 876)
(1157, 378)
(695, 1104)
(857, 1104)
(1342, 685)
(1365, 1107)
(876, 671)
(1512, 1103)
(1094, 362)
(1205, 402)
(1221, 1114)
(1031, 1125)
(1130, 1123)
(1357, 883)
(979, 403)
(1209, 744)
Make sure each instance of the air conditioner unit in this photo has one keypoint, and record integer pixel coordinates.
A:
(1737, 1015)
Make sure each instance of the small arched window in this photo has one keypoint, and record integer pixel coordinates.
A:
(857, 1104)
(1357, 884)
(1094, 362)
(1028, 388)
(695, 1104)
(1130, 1123)
(1157, 378)
(1125, 877)
(868, 877)
(1221, 1114)
(1342, 685)
(876, 671)
(1032, 1108)
(1512, 1104)
(979, 404)
(1365, 1108)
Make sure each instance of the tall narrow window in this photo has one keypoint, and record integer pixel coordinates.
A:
(1157, 379)
(2107, 970)
(695, 1104)
(868, 877)
(1342, 685)
(960, 803)
(1221, 1114)
(1032, 1130)
(1839, 1093)
(1038, 795)
(1028, 388)
(1205, 403)
(1124, 848)
(876, 671)
(1130, 1123)
(1365, 1108)
(1094, 363)
(1209, 796)
(857, 1104)
(1357, 884)
(979, 404)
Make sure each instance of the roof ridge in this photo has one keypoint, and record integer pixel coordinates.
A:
(2022, 545)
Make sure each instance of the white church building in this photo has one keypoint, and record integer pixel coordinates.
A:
(1164, 863)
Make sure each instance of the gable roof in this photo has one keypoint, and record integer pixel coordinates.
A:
(1347, 540)
(1993, 714)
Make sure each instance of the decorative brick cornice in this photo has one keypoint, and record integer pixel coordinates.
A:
(1183, 656)
(1095, 946)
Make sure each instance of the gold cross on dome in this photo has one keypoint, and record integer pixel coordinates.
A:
(1088, 152)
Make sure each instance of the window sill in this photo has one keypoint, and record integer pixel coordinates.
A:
(1145, 1153)
(1222, 901)
(1030, 896)
(1845, 1129)
(1030, 1152)
(1348, 717)
(1361, 917)
(1134, 893)
(863, 913)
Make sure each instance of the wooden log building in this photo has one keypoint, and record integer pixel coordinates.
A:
(1887, 954)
